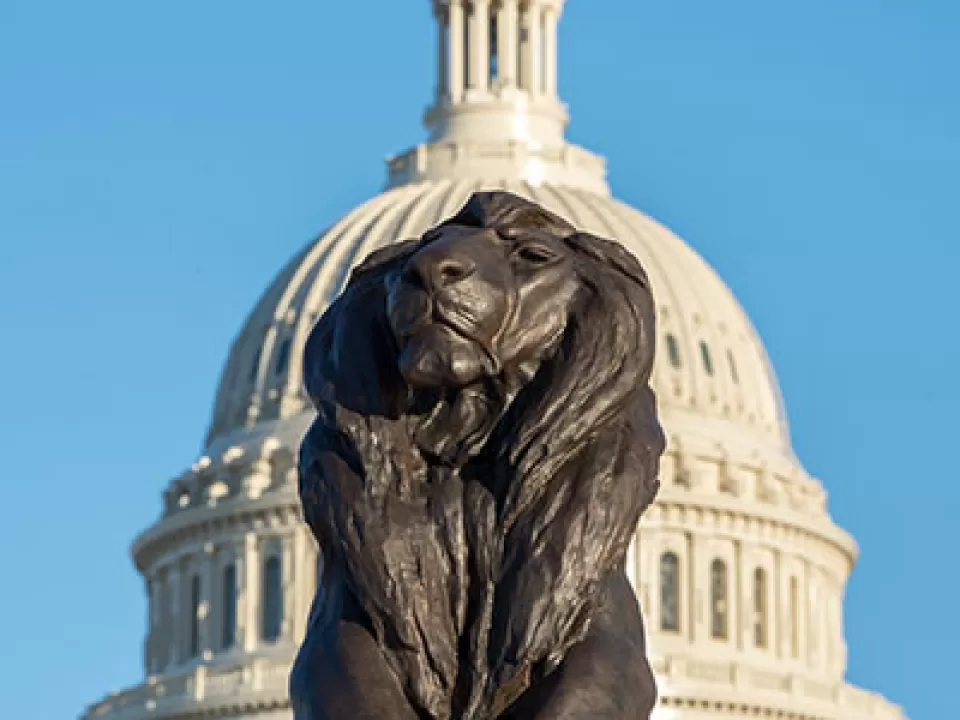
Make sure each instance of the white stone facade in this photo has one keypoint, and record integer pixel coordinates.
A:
(738, 566)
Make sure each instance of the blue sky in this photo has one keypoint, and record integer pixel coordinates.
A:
(159, 161)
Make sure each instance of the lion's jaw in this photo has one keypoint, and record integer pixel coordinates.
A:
(437, 356)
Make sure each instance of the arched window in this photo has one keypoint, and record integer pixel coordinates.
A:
(760, 608)
(228, 616)
(669, 592)
(719, 612)
(673, 350)
(734, 375)
(271, 602)
(195, 616)
(166, 616)
(153, 627)
(794, 617)
(283, 357)
(494, 45)
(255, 365)
(705, 356)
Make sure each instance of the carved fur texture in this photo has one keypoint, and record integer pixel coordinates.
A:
(485, 444)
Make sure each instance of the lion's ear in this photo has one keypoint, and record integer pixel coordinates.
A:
(610, 253)
(384, 256)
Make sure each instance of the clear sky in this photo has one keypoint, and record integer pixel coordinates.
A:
(159, 161)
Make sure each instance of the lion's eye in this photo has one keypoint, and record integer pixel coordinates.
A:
(536, 254)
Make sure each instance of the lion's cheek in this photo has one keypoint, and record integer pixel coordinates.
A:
(437, 358)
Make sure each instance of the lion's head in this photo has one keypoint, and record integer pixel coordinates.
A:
(486, 437)
(481, 298)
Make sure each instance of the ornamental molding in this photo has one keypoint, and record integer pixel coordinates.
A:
(738, 689)
(680, 510)
(274, 513)
(275, 507)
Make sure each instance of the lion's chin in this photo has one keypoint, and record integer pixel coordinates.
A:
(437, 357)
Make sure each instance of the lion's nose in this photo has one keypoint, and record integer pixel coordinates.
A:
(436, 269)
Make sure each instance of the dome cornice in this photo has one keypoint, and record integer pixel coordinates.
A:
(717, 514)
(276, 511)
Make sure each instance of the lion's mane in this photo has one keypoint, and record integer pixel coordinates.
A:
(475, 578)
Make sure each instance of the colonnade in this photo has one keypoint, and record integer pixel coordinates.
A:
(747, 597)
(492, 45)
(234, 595)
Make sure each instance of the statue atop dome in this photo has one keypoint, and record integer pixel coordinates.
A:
(486, 442)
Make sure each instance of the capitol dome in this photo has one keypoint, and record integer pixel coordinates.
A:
(738, 567)
(712, 364)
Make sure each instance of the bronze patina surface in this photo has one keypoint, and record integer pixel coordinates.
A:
(486, 442)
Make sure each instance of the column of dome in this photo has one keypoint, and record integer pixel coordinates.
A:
(739, 580)
(231, 568)
(214, 599)
(488, 48)
(550, 18)
(508, 35)
(478, 67)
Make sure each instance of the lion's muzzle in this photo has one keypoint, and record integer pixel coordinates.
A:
(446, 307)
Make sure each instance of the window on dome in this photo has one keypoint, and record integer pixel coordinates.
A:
(162, 649)
(271, 602)
(794, 617)
(228, 617)
(719, 611)
(760, 608)
(255, 365)
(494, 46)
(705, 356)
(195, 616)
(673, 350)
(151, 640)
(669, 592)
(734, 375)
(283, 357)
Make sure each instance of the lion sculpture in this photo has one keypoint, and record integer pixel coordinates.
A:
(485, 444)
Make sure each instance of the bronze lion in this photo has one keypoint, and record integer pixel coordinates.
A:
(485, 444)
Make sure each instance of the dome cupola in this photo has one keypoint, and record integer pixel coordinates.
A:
(496, 114)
